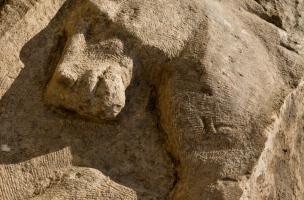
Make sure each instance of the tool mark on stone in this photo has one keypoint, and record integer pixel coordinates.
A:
(288, 47)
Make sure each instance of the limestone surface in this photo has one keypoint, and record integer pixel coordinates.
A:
(151, 99)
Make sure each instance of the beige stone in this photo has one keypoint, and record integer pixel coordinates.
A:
(151, 99)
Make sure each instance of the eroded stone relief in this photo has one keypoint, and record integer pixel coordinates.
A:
(220, 72)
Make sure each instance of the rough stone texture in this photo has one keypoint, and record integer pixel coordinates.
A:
(279, 172)
(151, 99)
(93, 71)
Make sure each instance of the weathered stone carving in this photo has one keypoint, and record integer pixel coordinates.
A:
(93, 72)
(220, 72)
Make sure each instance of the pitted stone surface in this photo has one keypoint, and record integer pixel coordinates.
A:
(153, 99)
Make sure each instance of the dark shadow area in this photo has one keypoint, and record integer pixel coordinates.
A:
(130, 150)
